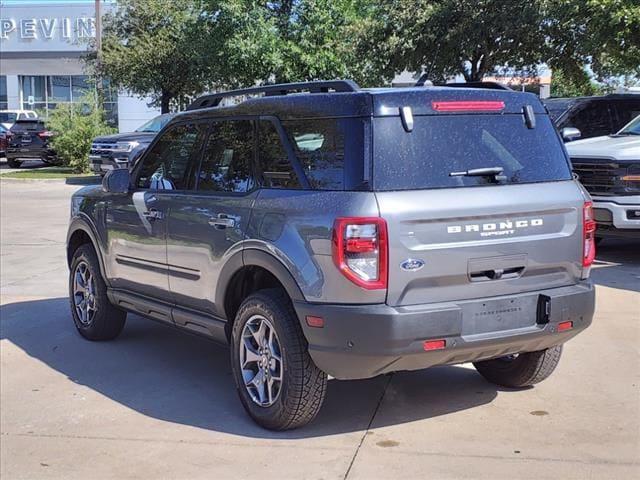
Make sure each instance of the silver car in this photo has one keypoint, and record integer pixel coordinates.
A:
(609, 168)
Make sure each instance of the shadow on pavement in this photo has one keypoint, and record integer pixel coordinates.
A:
(177, 377)
(618, 264)
(26, 164)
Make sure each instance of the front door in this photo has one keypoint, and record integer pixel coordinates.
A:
(208, 225)
(137, 222)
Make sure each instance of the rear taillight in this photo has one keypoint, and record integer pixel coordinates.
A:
(588, 235)
(360, 250)
(45, 135)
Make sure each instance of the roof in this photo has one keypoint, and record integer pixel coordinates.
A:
(353, 101)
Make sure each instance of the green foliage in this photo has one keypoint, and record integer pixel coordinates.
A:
(75, 125)
(602, 33)
(450, 37)
(563, 85)
(174, 50)
(161, 48)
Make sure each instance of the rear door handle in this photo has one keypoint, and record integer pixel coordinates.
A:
(153, 214)
(222, 221)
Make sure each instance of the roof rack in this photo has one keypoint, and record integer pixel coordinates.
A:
(214, 99)
(487, 85)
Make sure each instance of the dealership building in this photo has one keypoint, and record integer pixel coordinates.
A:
(41, 47)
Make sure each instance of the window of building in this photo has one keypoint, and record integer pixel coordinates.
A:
(275, 167)
(4, 102)
(227, 158)
(44, 93)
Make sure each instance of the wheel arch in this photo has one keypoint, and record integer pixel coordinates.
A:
(80, 233)
(249, 271)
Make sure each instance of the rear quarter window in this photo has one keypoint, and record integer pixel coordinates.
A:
(441, 144)
(330, 150)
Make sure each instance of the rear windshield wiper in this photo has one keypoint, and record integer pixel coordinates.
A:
(494, 172)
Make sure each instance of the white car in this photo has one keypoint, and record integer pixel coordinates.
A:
(9, 117)
(609, 168)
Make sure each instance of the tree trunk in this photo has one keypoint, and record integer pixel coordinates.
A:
(164, 102)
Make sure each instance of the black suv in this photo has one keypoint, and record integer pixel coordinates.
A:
(123, 149)
(29, 140)
(593, 116)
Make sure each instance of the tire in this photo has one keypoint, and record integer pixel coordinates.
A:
(104, 321)
(13, 163)
(524, 370)
(297, 399)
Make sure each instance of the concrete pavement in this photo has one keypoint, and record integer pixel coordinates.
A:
(158, 403)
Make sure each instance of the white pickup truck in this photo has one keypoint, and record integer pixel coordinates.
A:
(609, 168)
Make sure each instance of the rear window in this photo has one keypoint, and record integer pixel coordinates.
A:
(441, 144)
(28, 126)
(8, 117)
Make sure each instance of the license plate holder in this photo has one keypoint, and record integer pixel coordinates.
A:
(497, 315)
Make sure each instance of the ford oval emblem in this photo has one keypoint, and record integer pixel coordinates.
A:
(412, 264)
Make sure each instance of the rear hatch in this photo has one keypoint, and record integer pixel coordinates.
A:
(463, 237)
(29, 134)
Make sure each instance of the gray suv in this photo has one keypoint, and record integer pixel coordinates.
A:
(323, 229)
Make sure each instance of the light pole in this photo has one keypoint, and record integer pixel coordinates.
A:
(98, 30)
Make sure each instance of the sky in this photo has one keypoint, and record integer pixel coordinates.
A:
(28, 2)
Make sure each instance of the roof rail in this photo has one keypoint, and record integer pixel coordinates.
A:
(325, 86)
(487, 85)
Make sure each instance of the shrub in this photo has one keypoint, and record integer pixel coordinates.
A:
(75, 126)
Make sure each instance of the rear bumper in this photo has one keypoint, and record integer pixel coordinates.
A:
(616, 215)
(362, 341)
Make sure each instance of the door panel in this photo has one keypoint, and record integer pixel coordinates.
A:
(207, 226)
(136, 241)
(204, 231)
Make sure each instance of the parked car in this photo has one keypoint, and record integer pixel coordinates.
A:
(593, 116)
(609, 168)
(122, 149)
(28, 140)
(344, 232)
(9, 117)
(4, 132)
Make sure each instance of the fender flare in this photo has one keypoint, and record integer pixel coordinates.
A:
(259, 258)
(80, 223)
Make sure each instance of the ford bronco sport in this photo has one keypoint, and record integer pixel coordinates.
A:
(323, 229)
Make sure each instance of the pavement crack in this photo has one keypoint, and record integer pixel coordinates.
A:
(364, 435)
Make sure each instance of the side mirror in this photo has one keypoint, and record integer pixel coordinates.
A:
(117, 180)
(570, 133)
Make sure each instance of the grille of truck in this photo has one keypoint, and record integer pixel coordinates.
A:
(103, 149)
(598, 175)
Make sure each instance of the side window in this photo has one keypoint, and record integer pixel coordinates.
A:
(227, 158)
(171, 163)
(593, 120)
(275, 167)
(319, 145)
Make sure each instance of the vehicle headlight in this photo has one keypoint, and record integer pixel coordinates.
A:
(126, 147)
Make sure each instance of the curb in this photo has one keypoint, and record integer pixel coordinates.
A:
(92, 180)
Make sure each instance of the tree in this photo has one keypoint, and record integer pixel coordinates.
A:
(75, 125)
(156, 48)
(604, 34)
(450, 37)
(295, 40)
(563, 85)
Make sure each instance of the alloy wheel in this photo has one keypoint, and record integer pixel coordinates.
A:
(84, 293)
(261, 361)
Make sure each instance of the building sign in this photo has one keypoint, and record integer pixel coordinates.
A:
(47, 27)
